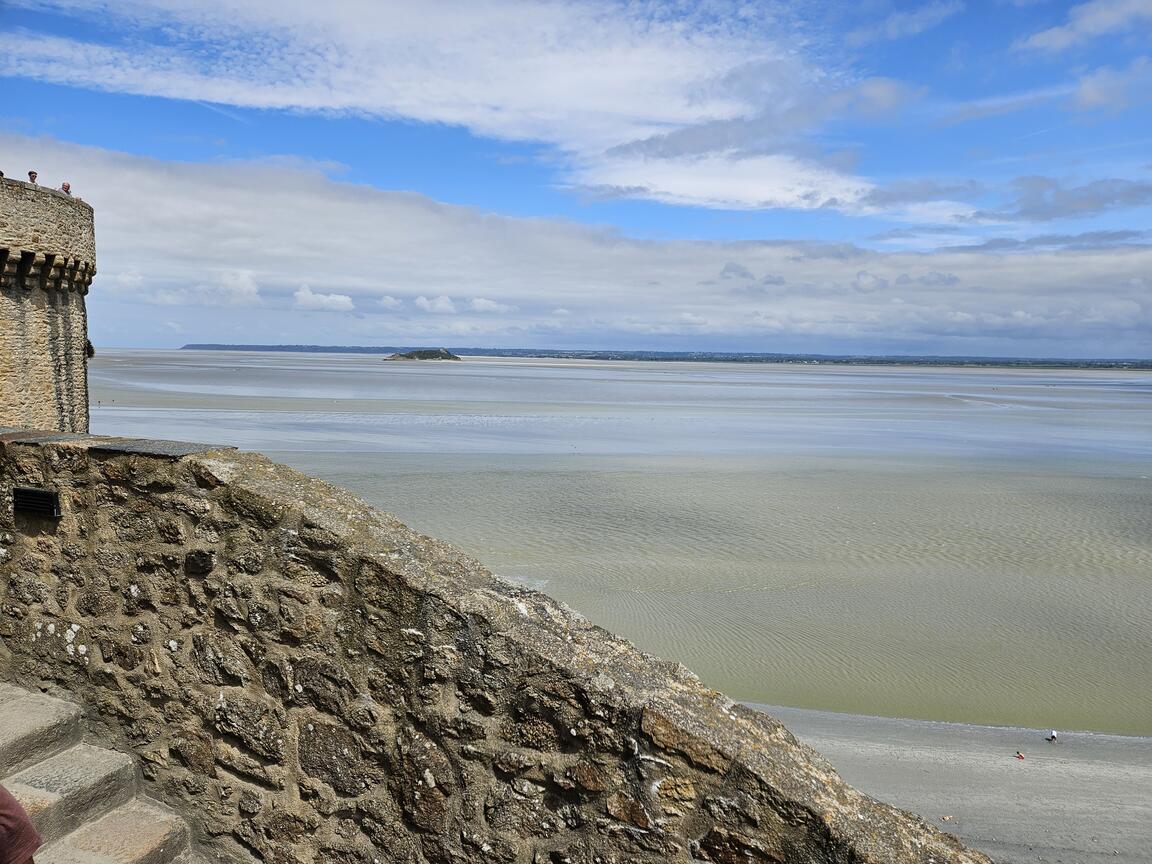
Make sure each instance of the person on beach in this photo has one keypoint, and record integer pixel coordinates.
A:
(18, 837)
(1051, 739)
(1019, 755)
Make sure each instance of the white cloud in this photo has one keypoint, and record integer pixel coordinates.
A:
(441, 305)
(223, 288)
(1083, 297)
(305, 298)
(387, 302)
(734, 270)
(932, 278)
(483, 304)
(578, 72)
(907, 22)
(1114, 89)
(869, 282)
(799, 108)
(1008, 103)
(727, 180)
(1104, 87)
(1090, 20)
(582, 76)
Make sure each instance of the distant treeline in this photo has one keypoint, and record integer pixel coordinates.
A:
(706, 356)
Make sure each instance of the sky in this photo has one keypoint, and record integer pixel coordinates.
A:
(949, 177)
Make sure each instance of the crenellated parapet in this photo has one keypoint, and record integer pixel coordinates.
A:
(47, 261)
(44, 271)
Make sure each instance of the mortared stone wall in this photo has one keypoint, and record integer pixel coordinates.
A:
(310, 682)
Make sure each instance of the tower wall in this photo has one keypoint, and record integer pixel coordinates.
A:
(47, 261)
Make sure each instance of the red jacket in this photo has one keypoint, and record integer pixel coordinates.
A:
(18, 838)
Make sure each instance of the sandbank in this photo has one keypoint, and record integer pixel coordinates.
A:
(1084, 800)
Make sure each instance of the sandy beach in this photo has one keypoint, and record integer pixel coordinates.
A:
(1084, 800)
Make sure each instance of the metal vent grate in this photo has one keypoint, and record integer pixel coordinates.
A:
(36, 502)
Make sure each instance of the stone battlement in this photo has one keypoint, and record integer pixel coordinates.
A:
(46, 221)
(44, 271)
(47, 261)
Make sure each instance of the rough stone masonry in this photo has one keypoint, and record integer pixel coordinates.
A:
(309, 681)
(47, 261)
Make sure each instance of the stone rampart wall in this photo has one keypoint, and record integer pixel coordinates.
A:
(310, 681)
(47, 261)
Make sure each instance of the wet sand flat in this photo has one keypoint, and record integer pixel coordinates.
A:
(953, 591)
(1085, 800)
(970, 545)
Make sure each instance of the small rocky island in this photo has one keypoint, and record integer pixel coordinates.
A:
(424, 354)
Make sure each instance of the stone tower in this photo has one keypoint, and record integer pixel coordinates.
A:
(47, 260)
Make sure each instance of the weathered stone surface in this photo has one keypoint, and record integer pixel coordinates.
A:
(308, 681)
(220, 660)
(154, 447)
(331, 752)
(137, 831)
(626, 809)
(666, 735)
(259, 727)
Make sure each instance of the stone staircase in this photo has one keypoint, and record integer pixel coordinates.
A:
(83, 799)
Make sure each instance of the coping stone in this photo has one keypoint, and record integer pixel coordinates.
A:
(154, 447)
(35, 436)
(103, 444)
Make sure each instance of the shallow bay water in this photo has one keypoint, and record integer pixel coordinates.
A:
(971, 545)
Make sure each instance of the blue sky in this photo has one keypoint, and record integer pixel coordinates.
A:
(946, 177)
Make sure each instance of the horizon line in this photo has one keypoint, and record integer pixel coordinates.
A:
(671, 355)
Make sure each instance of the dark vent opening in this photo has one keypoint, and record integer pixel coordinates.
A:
(36, 502)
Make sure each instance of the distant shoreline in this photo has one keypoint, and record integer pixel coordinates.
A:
(712, 356)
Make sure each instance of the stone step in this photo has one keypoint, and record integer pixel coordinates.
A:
(73, 787)
(139, 832)
(33, 727)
